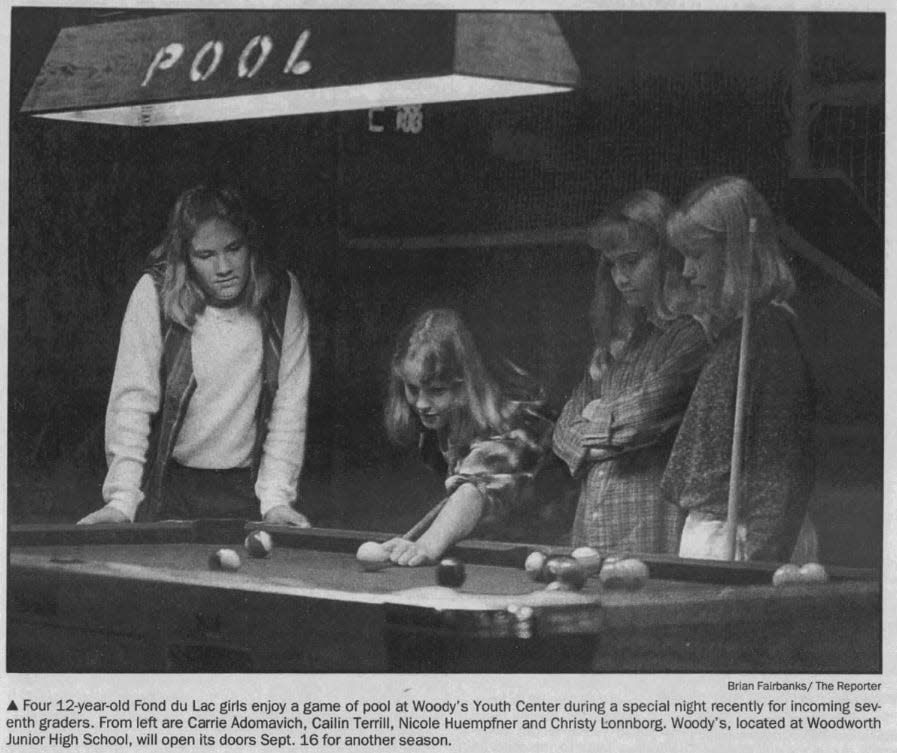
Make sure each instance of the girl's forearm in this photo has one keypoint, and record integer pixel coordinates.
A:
(458, 518)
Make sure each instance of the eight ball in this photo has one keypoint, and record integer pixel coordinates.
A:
(450, 572)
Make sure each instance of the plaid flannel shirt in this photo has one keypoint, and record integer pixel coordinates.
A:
(501, 466)
(619, 448)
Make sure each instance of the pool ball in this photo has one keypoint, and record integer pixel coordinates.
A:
(224, 559)
(534, 564)
(570, 573)
(786, 575)
(813, 572)
(259, 544)
(627, 574)
(558, 564)
(589, 558)
(549, 567)
(450, 572)
(372, 556)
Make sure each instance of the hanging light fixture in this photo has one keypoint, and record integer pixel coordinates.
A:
(231, 65)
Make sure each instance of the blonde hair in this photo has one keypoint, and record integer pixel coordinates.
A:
(723, 208)
(441, 349)
(638, 219)
(182, 298)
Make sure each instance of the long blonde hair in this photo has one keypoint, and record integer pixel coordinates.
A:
(638, 219)
(722, 208)
(182, 298)
(441, 349)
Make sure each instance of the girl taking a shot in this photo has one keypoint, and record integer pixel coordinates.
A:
(470, 423)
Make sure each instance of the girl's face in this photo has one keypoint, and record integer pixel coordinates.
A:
(219, 259)
(635, 272)
(704, 268)
(431, 400)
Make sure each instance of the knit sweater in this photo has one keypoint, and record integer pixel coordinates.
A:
(777, 474)
(219, 427)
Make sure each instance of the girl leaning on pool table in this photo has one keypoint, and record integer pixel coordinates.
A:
(207, 411)
(481, 425)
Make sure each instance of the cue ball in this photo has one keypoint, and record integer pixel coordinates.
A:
(225, 559)
(813, 572)
(450, 572)
(372, 556)
(259, 544)
(534, 564)
(786, 574)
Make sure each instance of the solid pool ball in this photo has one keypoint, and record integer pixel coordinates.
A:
(786, 575)
(584, 553)
(534, 564)
(372, 556)
(450, 572)
(259, 544)
(571, 574)
(813, 572)
(225, 559)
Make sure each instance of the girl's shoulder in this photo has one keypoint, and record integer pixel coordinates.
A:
(146, 291)
(778, 334)
(774, 338)
(684, 333)
(773, 324)
(534, 419)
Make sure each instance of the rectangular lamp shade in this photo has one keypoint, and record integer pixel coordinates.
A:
(231, 65)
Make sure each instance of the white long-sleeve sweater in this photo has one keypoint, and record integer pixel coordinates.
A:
(219, 428)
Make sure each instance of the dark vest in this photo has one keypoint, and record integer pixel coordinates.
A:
(178, 384)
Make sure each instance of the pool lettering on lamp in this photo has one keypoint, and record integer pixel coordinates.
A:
(207, 60)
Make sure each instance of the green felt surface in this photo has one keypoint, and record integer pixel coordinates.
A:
(333, 570)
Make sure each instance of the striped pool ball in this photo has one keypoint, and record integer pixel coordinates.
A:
(259, 544)
(628, 574)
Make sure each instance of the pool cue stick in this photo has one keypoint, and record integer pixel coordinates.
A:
(731, 525)
(424, 523)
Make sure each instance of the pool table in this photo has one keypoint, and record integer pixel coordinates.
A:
(142, 598)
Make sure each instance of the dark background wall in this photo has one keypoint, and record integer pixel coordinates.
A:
(667, 101)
